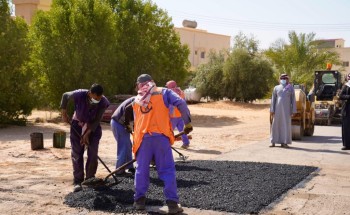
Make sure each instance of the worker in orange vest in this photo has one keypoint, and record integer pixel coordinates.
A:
(153, 137)
(175, 115)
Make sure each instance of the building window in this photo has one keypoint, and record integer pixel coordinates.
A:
(202, 54)
(195, 52)
(346, 63)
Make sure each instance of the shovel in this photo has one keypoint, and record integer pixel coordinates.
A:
(183, 158)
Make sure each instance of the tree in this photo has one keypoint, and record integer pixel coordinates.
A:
(208, 78)
(75, 45)
(16, 94)
(79, 42)
(301, 57)
(250, 44)
(149, 44)
(247, 76)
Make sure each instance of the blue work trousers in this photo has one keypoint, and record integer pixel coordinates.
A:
(155, 147)
(124, 146)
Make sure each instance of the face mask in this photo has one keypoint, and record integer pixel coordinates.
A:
(94, 101)
(283, 82)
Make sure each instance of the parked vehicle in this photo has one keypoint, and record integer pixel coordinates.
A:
(192, 95)
(115, 101)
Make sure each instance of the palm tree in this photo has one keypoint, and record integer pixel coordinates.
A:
(301, 57)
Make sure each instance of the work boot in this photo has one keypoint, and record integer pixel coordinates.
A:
(174, 207)
(77, 187)
(140, 204)
(132, 170)
(272, 145)
(345, 148)
(185, 146)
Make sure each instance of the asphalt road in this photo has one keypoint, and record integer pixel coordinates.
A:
(327, 191)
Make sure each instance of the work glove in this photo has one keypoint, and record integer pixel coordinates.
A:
(188, 128)
(128, 128)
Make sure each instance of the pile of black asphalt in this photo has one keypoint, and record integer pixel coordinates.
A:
(226, 186)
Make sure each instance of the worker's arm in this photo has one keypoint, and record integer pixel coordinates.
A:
(128, 115)
(273, 101)
(171, 98)
(124, 114)
(63, 106)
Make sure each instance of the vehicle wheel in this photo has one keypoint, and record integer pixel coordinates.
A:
(297, 131)
(309, 131)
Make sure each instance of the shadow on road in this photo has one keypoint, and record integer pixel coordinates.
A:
(213, 121)
(322, 139)
(318, 150)
(205, 151)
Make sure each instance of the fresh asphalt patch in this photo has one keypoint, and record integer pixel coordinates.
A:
(227, 186)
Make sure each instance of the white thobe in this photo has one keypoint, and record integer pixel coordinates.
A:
(283, 105)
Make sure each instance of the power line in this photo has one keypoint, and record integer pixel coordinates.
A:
(245, 24)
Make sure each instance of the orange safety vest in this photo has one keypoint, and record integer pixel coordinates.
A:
(153, 119)
(176, 113)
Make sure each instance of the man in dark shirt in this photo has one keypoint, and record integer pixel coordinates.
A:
(89, 106)
(122, 128)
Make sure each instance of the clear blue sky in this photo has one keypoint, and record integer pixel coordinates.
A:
(266, 20)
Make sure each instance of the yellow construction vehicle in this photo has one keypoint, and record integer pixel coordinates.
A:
(303, 122)
(327, 84)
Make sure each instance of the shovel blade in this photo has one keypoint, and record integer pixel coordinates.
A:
(181, 158)
(93, 182)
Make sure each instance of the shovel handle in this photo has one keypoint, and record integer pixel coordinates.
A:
(133, 160)
(120, 168)
(180, 154)
(179, 134)
(98, 157)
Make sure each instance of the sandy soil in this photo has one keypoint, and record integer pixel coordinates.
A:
(36, 182)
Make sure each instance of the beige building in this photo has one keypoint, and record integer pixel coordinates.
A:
(338, 45)
(27, 8)
(201, 42)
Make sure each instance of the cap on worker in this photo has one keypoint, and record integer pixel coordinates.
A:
(348, 76)
(171, 84)
(284, 76)
(144, 78)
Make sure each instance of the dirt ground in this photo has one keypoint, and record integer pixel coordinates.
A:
(36, 182)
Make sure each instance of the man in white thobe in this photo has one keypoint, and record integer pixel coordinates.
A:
(283, 106)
